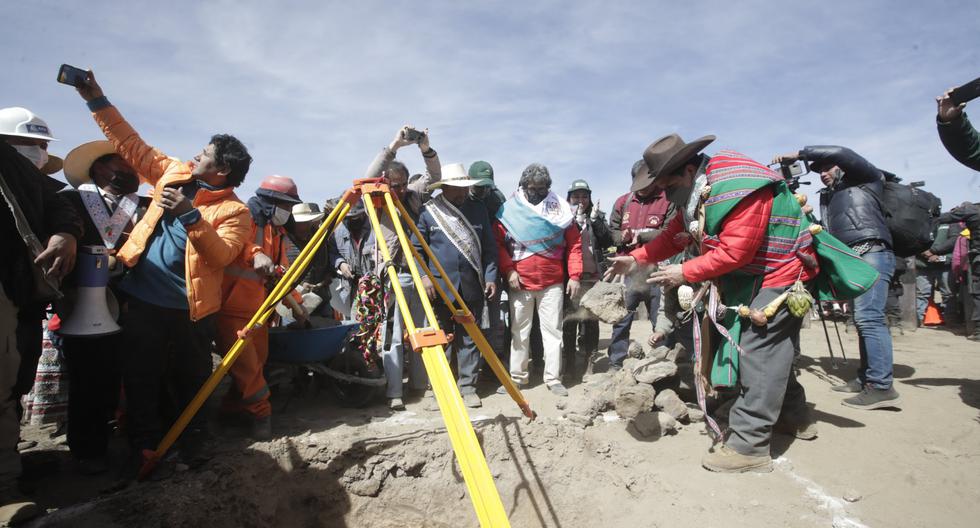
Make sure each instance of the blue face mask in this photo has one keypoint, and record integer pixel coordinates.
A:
(209, 187)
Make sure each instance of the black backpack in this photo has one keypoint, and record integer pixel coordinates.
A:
(910, 214)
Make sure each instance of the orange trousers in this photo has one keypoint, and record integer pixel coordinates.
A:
(250, 392)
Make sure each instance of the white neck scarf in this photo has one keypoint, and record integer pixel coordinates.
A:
(110, 227)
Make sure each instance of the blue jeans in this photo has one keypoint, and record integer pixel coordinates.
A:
(637, 291)
(872, 327)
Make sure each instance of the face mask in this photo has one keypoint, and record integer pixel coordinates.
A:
(37, 155)
(535, 197)
(280, 216)
(479, 191)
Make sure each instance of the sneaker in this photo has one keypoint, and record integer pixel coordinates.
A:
(852, 387)
(396, 404)
(558, 389)
(872, 398)
(723, 459)
(803, 431)
(503, 390)
(472, 400)
(261, 428)
(16, 509)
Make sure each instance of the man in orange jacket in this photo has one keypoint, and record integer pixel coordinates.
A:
(176, 256)
(244, 289)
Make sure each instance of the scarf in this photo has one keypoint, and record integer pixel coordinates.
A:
(536, 229)
(459, 232)
(110, 227)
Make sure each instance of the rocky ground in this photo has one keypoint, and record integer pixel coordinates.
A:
(601, 457)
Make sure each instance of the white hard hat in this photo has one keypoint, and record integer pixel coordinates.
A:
(21, 122)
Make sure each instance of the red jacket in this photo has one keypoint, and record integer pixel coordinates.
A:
(742, 233)
(538, 272)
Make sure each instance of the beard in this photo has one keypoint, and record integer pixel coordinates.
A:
(679, 195)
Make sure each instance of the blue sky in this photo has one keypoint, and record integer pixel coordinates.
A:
(315, 89)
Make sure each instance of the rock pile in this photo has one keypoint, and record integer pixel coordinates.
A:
(642, 392)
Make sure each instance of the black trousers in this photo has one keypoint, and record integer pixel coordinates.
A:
(94, 371)
(164, 349)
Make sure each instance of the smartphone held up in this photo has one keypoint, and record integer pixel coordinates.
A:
(966, 92)
(71, 75)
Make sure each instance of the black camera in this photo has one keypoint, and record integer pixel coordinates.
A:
(792, 172)
(412, 135)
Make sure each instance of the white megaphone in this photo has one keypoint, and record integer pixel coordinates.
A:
(88, 314)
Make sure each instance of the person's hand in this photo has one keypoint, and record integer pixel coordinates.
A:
(935, 258)
(594, 215)
(514, 280)
(656, 338)
(946, 111)
(345, 270)
(807, 209)
(89, 89)
(619, 266)
(786, 158)
(490, 290)
(263, 265)
(174, 202)
(399, 140)
(430, 289)
(58, 258)
(572, 288)
(424, 141)
(668, 277)
(627, 237)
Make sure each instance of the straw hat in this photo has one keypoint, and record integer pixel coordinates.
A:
(307, 212)
(79, 161)
(455, 175)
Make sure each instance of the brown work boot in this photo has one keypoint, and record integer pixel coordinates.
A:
(723, 459)
(802, 431)
(16, 509)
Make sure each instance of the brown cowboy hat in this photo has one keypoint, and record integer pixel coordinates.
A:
(664, 156)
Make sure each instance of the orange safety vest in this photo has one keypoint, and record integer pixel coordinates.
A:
(242, 289)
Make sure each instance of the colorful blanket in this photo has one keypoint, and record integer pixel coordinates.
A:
(536, 229)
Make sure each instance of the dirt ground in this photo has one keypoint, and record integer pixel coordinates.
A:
(373, 468)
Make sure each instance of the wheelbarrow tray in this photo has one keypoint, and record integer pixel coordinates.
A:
(309, 345)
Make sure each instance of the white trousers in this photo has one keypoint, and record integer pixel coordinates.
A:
(548, 304)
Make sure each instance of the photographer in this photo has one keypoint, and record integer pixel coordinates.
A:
(957, 134)
(851, 211)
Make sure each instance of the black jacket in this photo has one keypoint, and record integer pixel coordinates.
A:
(961, 140)
(47, 213)
(851, 207)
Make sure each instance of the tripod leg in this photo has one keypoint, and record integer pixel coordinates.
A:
(472, 463)
(826, 333)
(461, 312)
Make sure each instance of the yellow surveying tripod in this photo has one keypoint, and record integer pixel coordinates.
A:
(429, 341)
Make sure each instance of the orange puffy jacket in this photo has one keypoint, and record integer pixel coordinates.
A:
(213, 243)
(243, 290)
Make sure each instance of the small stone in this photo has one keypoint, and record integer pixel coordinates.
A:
(652, 371)
(852, 496)
(633, 400)
(936, 450)
(606, 301)
(635, 350)
(694, 413)
(754, 503)
(660, 353)
(653, 424)
(366, 488)
(668, 402)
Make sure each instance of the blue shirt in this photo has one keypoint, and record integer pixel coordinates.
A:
(158, 277)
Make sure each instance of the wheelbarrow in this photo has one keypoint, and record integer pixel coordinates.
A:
(322, 358)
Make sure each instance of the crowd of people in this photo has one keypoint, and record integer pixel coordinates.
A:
(191, 262)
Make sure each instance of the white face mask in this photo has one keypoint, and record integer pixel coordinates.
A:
(280, 216)
(37, 155)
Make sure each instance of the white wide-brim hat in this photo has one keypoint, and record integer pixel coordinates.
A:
(455, 175)
(307, 212)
